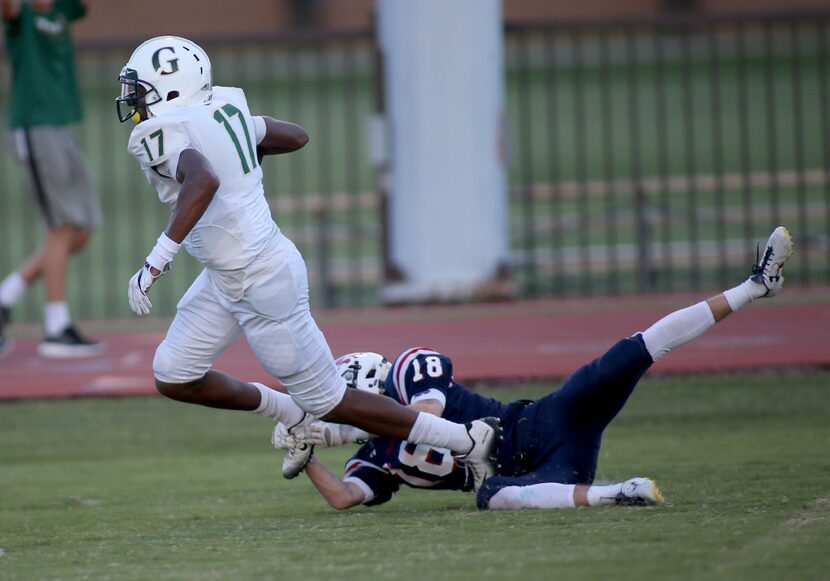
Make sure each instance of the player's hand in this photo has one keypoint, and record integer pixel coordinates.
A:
(316, 433)
(328, 435)
(140, 283)
(281, 438)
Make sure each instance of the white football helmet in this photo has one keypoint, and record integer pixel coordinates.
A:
(163, 74)
(364, 371)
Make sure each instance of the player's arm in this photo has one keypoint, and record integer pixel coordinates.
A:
(317, 433)
(199, 185)
(275, 137)
(339, 494)
(430, 406)
(421, 379)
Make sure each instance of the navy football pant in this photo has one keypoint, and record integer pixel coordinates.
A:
(557, 438)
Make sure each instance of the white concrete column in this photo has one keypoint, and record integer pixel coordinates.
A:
(444, 91)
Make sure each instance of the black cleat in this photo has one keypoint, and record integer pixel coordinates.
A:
(70, 344)
(5, 318)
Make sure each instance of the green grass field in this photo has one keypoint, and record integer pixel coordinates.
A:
(151, 489)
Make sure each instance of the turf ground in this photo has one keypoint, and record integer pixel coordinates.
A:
(149, 489)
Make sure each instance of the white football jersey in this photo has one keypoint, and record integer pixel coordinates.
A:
(237, 224)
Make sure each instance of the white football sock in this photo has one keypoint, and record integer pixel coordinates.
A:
(607, 494)
(435, 431)
(744, 293)
(11, 289)
(277, 406)
(677, 329)
(544, 495)
(56, 318)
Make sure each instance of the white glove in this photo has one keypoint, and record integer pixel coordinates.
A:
(328, 435)
(317, 433)
(140, 283)
(281, 438)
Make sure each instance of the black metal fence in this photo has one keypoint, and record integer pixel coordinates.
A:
(645, 156)
(652, 156)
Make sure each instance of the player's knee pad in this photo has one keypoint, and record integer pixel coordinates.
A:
(169, 366)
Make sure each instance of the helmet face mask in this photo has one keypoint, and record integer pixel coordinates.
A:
(136, 95)
(163, 74)
(364, 371)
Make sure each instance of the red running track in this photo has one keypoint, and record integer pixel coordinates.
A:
(546, 339)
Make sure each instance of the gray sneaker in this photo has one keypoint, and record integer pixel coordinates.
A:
(296, 459)
(768, 268)
(5, 318)
(639, 492)
(299, 455)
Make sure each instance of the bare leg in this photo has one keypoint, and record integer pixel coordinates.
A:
(223, 391)
(56, 262)
(377, 414)
(719, 306)
(581, 495)
(33, 268)
(216, 390)
(373, 413)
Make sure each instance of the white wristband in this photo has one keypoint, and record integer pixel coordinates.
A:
(260, 129)
(163, 252)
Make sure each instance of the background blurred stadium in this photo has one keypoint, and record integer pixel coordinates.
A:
(649, 147)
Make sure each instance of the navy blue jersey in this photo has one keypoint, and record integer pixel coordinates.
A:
(421, 373)
(383, 464)
(553, 439)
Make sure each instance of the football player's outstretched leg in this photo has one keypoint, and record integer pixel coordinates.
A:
(595, 394)
(201, 148)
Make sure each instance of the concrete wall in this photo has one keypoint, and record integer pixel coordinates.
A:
(760, 6)
(115, 21)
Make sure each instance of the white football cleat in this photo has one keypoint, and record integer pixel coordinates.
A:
(639, 492)
(296, 459)
(480, 459)
(298, 453)
(767, 269)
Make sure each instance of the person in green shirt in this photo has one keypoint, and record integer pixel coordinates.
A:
(44, 103)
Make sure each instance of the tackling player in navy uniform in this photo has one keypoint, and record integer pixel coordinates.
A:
(548, 454)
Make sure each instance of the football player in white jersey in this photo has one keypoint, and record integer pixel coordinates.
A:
(200, 147)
